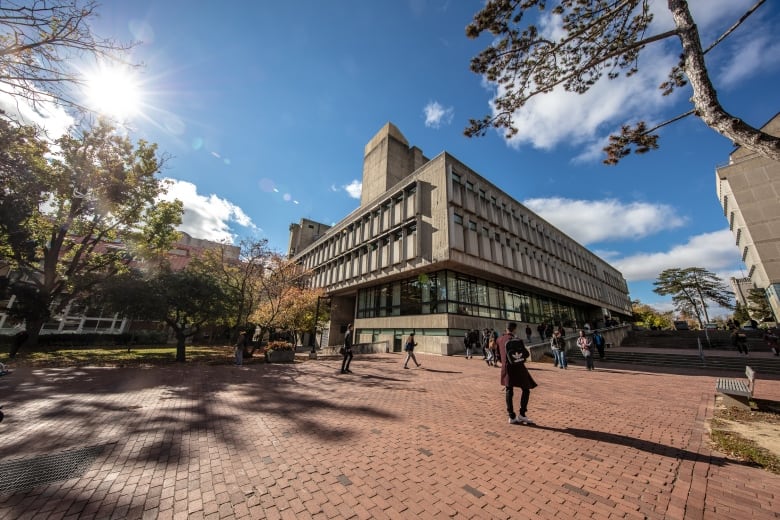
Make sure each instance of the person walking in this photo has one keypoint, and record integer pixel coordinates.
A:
(770, 337)
(558, 346)
(409, 349)
(347, 351)
(494, 347)
(739, 340)
(586, 345)
(599, 341)
(239, 348)
(528, 333)
(472, 340)
(483, 341)
(515, 374)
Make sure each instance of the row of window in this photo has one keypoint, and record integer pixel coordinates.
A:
(371, 229)
(513, 221)
(455, 293)
(393, 248)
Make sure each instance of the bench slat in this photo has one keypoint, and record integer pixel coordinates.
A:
(731, 386)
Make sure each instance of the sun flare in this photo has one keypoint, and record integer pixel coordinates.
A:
(114, 92)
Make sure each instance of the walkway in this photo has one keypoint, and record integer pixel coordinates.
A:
(302, 441)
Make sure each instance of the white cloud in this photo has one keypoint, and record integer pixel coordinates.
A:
(52, 118)
(713, 251)
(593, 221)
(754, 52)
(714, 15)
(436, 114)
(354, 188)
(207, 217)
(584, 120)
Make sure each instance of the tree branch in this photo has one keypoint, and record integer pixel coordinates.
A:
(734, 27)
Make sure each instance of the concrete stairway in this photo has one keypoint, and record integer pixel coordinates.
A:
(718, 354)
(736, 362)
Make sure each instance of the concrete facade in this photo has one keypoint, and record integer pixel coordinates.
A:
(303, 234)
(437, 249)
(741, 288)
(749, 192)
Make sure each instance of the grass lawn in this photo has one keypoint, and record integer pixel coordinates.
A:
(122, 356)
(763, 419)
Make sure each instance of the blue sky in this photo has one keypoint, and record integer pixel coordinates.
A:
(265, 108)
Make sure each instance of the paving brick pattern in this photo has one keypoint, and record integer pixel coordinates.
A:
(303, 441)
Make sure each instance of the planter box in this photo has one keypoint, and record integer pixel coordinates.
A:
(280, 356)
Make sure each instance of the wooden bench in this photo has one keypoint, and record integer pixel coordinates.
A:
(737, 392)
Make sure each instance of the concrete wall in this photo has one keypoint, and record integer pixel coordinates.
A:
(749, 192)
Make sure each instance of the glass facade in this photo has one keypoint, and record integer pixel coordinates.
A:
(456, 293)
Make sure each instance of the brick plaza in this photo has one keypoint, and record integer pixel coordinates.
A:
(303, 441)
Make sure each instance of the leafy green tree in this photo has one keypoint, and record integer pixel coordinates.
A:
(298, 315)
(758, 305)
(741, 314)
(39, 44)
(647, 316)
(281, 282)
(24, 183)
(691, 288)
(185, 300)
(598, 38)
(77, 218)
(241, 278)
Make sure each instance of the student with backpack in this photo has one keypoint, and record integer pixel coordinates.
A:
(513, 354)
(599, 341)
(409, 349)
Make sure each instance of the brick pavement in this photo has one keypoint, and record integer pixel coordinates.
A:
(302, 441)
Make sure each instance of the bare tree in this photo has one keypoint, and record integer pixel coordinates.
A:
(599, 37)
(39, 43)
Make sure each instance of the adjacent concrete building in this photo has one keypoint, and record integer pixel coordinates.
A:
(749, 192)
(741, 288)
(437, 249)
(77, 318)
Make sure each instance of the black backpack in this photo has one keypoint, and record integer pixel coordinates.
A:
(516, 351)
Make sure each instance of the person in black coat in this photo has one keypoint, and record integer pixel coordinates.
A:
(515, 375)
(347, 351)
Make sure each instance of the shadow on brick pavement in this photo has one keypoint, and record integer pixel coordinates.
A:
(304, 441)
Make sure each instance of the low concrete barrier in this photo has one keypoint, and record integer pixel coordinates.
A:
(380, 347)
(613, 337)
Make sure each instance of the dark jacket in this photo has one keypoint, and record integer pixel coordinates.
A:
(348, 339)
(515, 374)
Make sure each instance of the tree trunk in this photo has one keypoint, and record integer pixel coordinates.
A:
(705, 97)
(33, 330)
(180, 353)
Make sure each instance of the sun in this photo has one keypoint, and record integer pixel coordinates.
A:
(114, 91)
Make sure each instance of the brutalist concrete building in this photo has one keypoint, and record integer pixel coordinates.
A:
(749, 191)
(437, 249)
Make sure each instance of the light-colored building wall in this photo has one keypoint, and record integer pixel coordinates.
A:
(741, 288)
(77, 319)
(748, 189)
(445, 226)
(304, 234)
